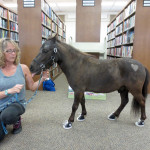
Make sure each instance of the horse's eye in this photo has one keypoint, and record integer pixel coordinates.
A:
(44, 51)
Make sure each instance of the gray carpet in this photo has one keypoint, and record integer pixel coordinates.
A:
(42, 125)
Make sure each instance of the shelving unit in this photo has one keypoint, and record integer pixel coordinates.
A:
(134, 33)
(35, 25)
(51, 23)
(8, 24)
(120, 32)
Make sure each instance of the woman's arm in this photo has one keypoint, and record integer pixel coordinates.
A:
(16, 89)
(29, 80)
(2, 94)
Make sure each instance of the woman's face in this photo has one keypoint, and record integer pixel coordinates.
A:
(10, 53)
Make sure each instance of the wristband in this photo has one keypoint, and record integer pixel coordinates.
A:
(6, 92)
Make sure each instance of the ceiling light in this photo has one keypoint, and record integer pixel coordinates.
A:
(66, 4)
(10, 5)
(118, 3)
(53, 5)
(109, 3)
(88, 2)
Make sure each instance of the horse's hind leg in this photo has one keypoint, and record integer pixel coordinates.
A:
(124, 100)
(77, 100)
(137, 104)
(84, 112)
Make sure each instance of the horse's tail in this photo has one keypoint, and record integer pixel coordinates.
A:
(135, 104)
(145, 86)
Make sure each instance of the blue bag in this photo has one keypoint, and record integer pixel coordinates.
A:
(48, 85)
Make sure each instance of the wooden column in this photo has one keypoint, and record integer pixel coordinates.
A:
(141, 46)
(30, 33)
(88, 21)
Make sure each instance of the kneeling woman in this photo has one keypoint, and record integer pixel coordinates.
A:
(13, 77)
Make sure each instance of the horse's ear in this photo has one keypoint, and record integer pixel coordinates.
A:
(53, 37)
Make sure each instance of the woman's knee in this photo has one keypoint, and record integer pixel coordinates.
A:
(11, 114)
(9, 118)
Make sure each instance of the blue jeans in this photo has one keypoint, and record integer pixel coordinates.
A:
(10, 115)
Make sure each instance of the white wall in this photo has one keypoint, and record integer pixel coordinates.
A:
(70, 31)
(103, 33)
(70, 22)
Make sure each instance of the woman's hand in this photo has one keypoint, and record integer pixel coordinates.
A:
(16, 89)
(45, 75)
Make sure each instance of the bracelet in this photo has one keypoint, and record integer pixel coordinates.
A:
(44, 78)
(6, 92)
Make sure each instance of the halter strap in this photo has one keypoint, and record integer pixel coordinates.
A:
(42, 66)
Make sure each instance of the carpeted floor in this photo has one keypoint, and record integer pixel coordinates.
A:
(42, 125)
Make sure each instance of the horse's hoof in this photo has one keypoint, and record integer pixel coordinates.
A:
(81, 118)
(111, 117)
(139, 123)
(67, 125)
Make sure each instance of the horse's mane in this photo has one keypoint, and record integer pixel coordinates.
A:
(75, 51)
(71, 49)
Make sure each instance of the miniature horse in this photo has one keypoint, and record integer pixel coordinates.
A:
(86, 73)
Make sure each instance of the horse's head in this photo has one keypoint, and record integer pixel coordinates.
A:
(46, 57)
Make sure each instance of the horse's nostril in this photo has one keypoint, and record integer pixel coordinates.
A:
(31, 68)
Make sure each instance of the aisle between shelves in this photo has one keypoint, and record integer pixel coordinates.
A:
(88, 95)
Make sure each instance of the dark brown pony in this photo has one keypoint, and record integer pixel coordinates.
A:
(86, 73)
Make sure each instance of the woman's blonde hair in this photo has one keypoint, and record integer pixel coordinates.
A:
(3, 45)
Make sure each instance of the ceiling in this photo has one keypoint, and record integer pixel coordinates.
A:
(69, 6)
(111, 6)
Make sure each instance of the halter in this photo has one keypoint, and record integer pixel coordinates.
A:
(42, 66)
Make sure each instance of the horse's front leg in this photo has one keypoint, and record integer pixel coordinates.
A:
(77, 99)
(84, 112)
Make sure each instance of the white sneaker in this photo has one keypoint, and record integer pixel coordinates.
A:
(139, 123)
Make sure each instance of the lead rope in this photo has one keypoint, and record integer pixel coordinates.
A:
(16, 95)
(4, 128)
(35, 91)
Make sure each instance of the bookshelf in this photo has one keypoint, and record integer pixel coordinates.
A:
(51, 23)
(131, 26)
(8, 24)
(120, 32)
(35, 25)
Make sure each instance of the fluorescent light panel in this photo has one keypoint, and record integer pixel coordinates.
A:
(88, 2)
(146, 3)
